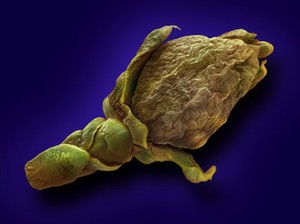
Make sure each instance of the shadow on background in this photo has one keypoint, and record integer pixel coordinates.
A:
(128, 173)
(240, 116)
(103, 183)
(243, 112)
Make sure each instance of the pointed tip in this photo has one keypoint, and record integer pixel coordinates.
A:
(171, 27)
(265, 49)
(176, 27)
(210, 172)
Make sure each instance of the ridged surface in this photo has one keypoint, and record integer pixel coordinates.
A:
(188, 87)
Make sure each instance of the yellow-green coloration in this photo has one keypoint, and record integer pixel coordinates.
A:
(56, 166)
(171, 97)
(115, 142)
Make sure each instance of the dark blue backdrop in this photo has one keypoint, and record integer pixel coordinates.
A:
(59, 62)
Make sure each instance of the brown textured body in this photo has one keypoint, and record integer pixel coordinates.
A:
(170, 96)
(189, 86)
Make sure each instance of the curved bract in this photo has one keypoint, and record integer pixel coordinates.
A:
(171, 96)
(102, 145)
(125, 85)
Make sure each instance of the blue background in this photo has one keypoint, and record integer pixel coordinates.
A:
(60, 60)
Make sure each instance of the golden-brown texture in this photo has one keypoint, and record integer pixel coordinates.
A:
(171, 96)
(189, 85)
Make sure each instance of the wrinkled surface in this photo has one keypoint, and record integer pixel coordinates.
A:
(189, 86)
(171, 96)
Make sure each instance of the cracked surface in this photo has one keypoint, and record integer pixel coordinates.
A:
(189, 86)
